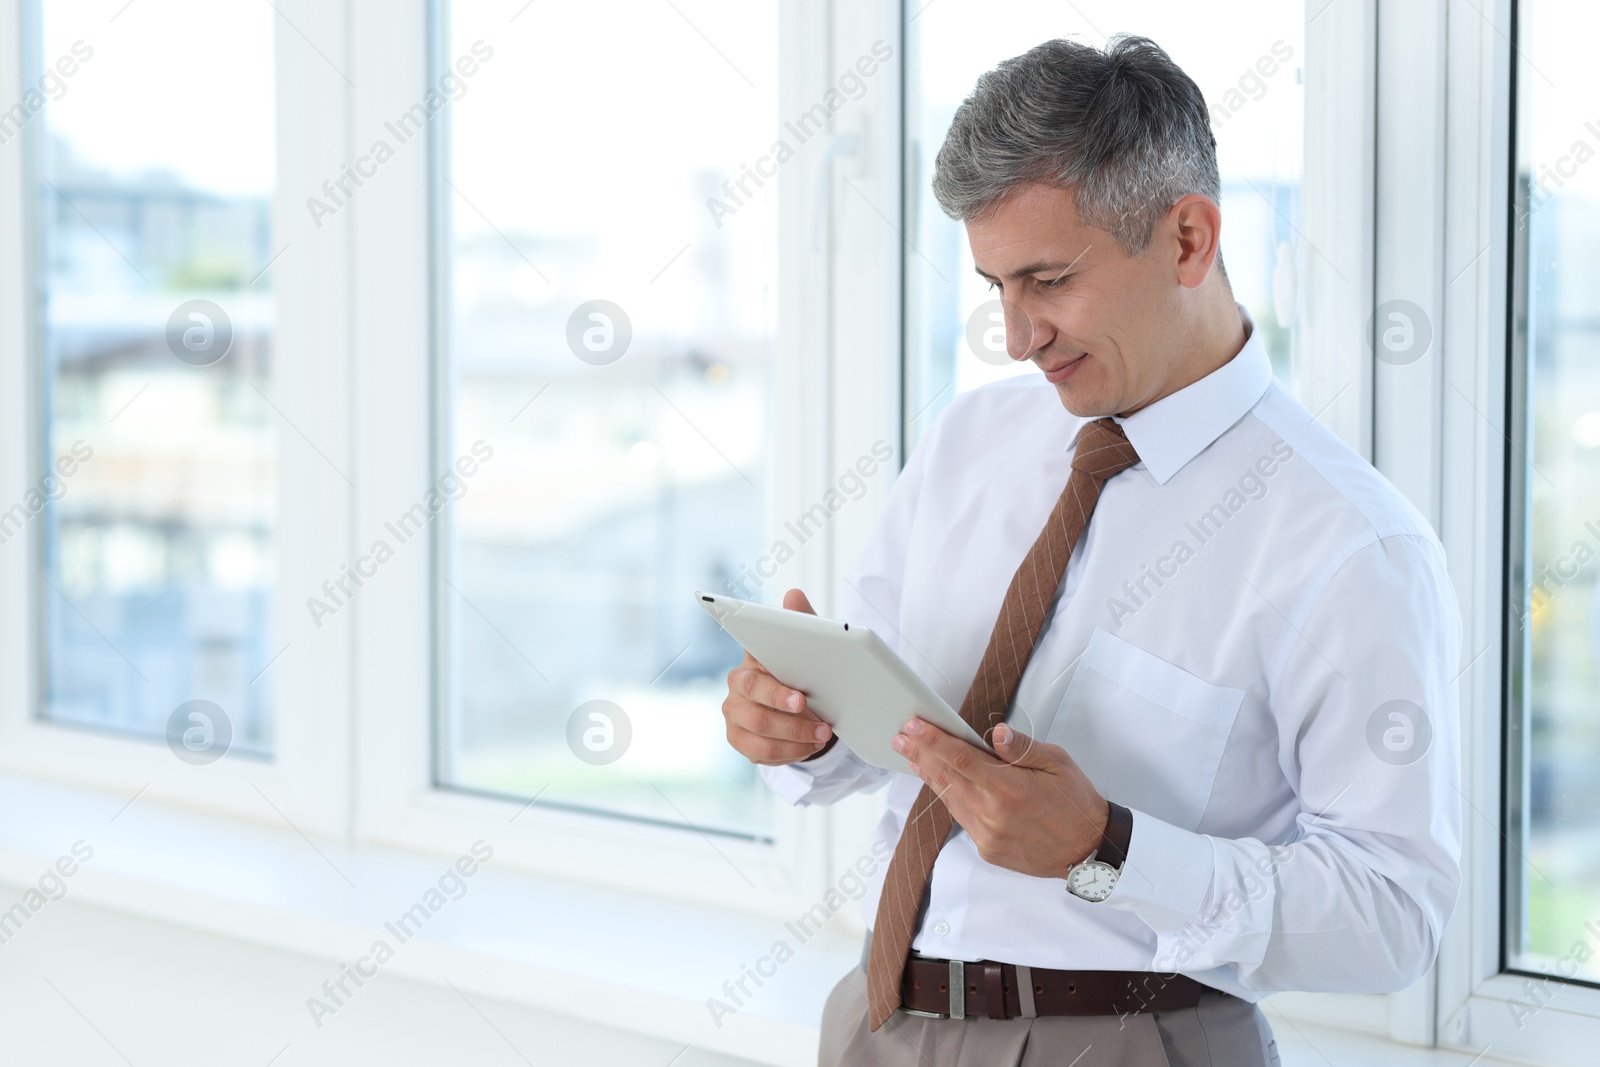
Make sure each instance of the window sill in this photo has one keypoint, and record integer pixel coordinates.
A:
(632, 961)
(1314, 1045)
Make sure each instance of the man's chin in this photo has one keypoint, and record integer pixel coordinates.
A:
(1078, 401)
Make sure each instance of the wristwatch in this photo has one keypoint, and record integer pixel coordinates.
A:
(1095, 878)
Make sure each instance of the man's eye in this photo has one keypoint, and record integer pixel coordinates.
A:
(994, 287)
(1054, 283)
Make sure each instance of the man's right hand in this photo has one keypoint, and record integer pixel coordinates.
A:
(767, 721)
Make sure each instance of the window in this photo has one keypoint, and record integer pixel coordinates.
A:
(1553, 877)
(616, 420)
(609, 330)
(1249, 67)
(152, 168)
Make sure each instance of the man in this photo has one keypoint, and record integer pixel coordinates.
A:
(1224, 709)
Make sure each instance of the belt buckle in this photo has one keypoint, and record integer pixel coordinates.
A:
(957, 986)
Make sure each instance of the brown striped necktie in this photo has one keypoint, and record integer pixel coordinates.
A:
(1102, 452)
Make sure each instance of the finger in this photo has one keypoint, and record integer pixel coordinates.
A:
(931, 748)
(783, 725)
(761, 687)
(956, 793)
(1019, 750)
(769, 750)
(795, 600)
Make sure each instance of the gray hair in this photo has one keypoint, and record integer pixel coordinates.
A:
(1125, 129)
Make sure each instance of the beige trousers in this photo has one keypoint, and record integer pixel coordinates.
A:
(1222, 1031)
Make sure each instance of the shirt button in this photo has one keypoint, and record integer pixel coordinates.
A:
(941, 928)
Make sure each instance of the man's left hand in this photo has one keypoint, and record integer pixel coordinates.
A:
(1032, 810)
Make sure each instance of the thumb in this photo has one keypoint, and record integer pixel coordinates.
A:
(795, 600)
(1020, 750)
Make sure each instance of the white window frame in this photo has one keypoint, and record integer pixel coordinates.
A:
(1475, 996)
(306, 781)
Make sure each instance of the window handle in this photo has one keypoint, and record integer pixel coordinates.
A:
(844, 145)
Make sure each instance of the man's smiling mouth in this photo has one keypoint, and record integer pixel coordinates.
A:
(1061, 371)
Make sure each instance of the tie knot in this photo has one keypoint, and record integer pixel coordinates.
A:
(1103, 450)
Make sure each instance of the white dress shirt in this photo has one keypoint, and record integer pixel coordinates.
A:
(1255, 648)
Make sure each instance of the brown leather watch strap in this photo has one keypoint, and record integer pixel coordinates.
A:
(1119, 834)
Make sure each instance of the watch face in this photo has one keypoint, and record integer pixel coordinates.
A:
(1092, 881)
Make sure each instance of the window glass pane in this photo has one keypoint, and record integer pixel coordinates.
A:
(609, 346)
(1249, 68)
(153, 166)
(1554, 866)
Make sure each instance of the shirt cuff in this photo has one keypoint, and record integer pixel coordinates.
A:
(793, 781)
(1167, 876)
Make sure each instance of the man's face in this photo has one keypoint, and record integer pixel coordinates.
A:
(1094, 319)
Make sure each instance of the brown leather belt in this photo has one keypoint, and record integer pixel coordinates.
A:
(1005, 991)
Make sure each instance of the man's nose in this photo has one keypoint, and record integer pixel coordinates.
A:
(1025, 334)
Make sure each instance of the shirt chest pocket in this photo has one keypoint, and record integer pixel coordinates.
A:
(1149, 734)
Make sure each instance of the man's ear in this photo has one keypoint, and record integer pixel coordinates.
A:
(1197, 225)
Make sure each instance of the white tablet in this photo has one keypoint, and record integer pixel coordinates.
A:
(852, 680)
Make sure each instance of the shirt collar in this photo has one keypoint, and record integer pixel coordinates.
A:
(1170, 432)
